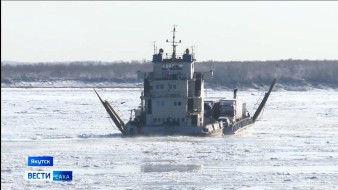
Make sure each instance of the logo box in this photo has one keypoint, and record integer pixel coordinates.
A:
(40, 161)
(62, 175)
(39, 175)
(49, 175)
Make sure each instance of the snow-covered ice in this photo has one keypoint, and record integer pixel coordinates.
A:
(294, 144)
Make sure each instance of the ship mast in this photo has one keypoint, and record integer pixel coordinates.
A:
(155, 48)
(174, 43)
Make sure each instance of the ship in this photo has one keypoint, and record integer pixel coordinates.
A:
(173, 102)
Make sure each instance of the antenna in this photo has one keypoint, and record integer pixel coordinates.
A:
(193, 47)
(155, 48)
(174, 43)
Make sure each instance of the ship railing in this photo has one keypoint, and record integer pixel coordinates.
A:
(170, 77)
(169, 56)
(169, 96)
(178, 57)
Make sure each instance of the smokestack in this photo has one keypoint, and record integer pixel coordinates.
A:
(235, 93)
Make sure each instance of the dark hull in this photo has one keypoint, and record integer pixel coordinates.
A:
(241, 124)
(163, 134)
(215, 129)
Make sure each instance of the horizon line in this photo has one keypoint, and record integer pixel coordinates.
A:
(149, 61)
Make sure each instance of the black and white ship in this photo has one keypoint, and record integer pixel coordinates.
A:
(173, 102)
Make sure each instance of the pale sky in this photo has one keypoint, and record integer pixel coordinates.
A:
(220, 30)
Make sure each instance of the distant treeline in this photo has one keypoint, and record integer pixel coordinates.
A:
(298, 72)
(234, 73)
(84, 71)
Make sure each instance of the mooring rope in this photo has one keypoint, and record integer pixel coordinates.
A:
(111, 122)
(259, 99)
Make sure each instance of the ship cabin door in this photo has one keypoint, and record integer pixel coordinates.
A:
(191, 105)
(149, 107)
(198, 86)
(194, 120)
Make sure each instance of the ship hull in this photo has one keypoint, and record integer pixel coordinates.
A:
(214, 129)
(238, 126)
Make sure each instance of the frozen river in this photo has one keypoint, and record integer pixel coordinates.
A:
(294, 144)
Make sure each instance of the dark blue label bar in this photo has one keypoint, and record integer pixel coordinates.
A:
(40, 161)
(62, 175)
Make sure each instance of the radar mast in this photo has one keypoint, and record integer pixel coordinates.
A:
(174, 43)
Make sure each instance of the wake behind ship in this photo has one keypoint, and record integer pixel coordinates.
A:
(172, 102)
